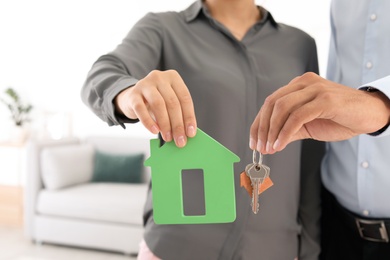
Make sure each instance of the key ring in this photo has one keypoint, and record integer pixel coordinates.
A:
(260, 158)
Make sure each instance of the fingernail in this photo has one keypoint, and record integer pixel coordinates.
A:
(259, 145)
(276, 144)
(154, 129)
(252, 143)
(180, 141)
(168, 136)
(268, 147)
(191, 131)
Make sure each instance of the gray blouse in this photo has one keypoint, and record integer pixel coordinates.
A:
(228, 80)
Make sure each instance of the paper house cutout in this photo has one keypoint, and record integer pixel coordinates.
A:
(201, 152)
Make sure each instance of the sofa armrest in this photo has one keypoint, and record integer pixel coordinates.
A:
(34, 179)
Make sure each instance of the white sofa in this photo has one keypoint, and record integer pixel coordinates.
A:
(97, 215)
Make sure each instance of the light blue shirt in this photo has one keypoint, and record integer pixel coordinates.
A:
(357, 171)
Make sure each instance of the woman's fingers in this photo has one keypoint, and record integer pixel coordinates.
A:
(162, 102)
(186, 104)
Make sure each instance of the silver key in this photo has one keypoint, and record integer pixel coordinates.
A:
(257, 172)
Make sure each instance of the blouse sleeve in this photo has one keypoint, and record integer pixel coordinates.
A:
(137, 55)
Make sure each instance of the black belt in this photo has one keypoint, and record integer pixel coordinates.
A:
(372, 229)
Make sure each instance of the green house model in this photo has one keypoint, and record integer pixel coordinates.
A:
(202, 152)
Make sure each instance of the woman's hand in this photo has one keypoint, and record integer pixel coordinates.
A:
(162, 102)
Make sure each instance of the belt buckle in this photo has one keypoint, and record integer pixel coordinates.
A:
(380, 226)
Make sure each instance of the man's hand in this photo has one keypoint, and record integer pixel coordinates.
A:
(313, 107)
(162, 102)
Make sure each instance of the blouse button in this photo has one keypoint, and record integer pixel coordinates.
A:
(365, 165)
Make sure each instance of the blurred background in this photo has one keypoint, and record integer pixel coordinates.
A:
(46, 50)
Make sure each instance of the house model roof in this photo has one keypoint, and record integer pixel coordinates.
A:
(200, 147)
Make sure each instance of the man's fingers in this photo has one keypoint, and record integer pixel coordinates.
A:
(294, 126)
(264, 142)
(313, 107)
(253, 134)
(260, 128)
(295, 79)
(284, 109)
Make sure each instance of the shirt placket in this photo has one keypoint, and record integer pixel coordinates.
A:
(364, 186)
(249, 72)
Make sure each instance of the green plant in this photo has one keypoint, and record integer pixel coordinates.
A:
(19, 111)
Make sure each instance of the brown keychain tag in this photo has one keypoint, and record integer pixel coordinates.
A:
(245, 182)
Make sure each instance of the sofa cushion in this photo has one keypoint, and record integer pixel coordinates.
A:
(111, 202)
(66, 165)
(117, 167)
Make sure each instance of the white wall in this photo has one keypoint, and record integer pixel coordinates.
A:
(47, 48)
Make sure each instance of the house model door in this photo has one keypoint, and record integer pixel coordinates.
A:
(202, 155)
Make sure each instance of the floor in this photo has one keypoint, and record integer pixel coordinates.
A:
(13, 246)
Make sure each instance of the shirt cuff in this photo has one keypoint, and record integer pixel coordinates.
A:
(109, 95)
(382, 85)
